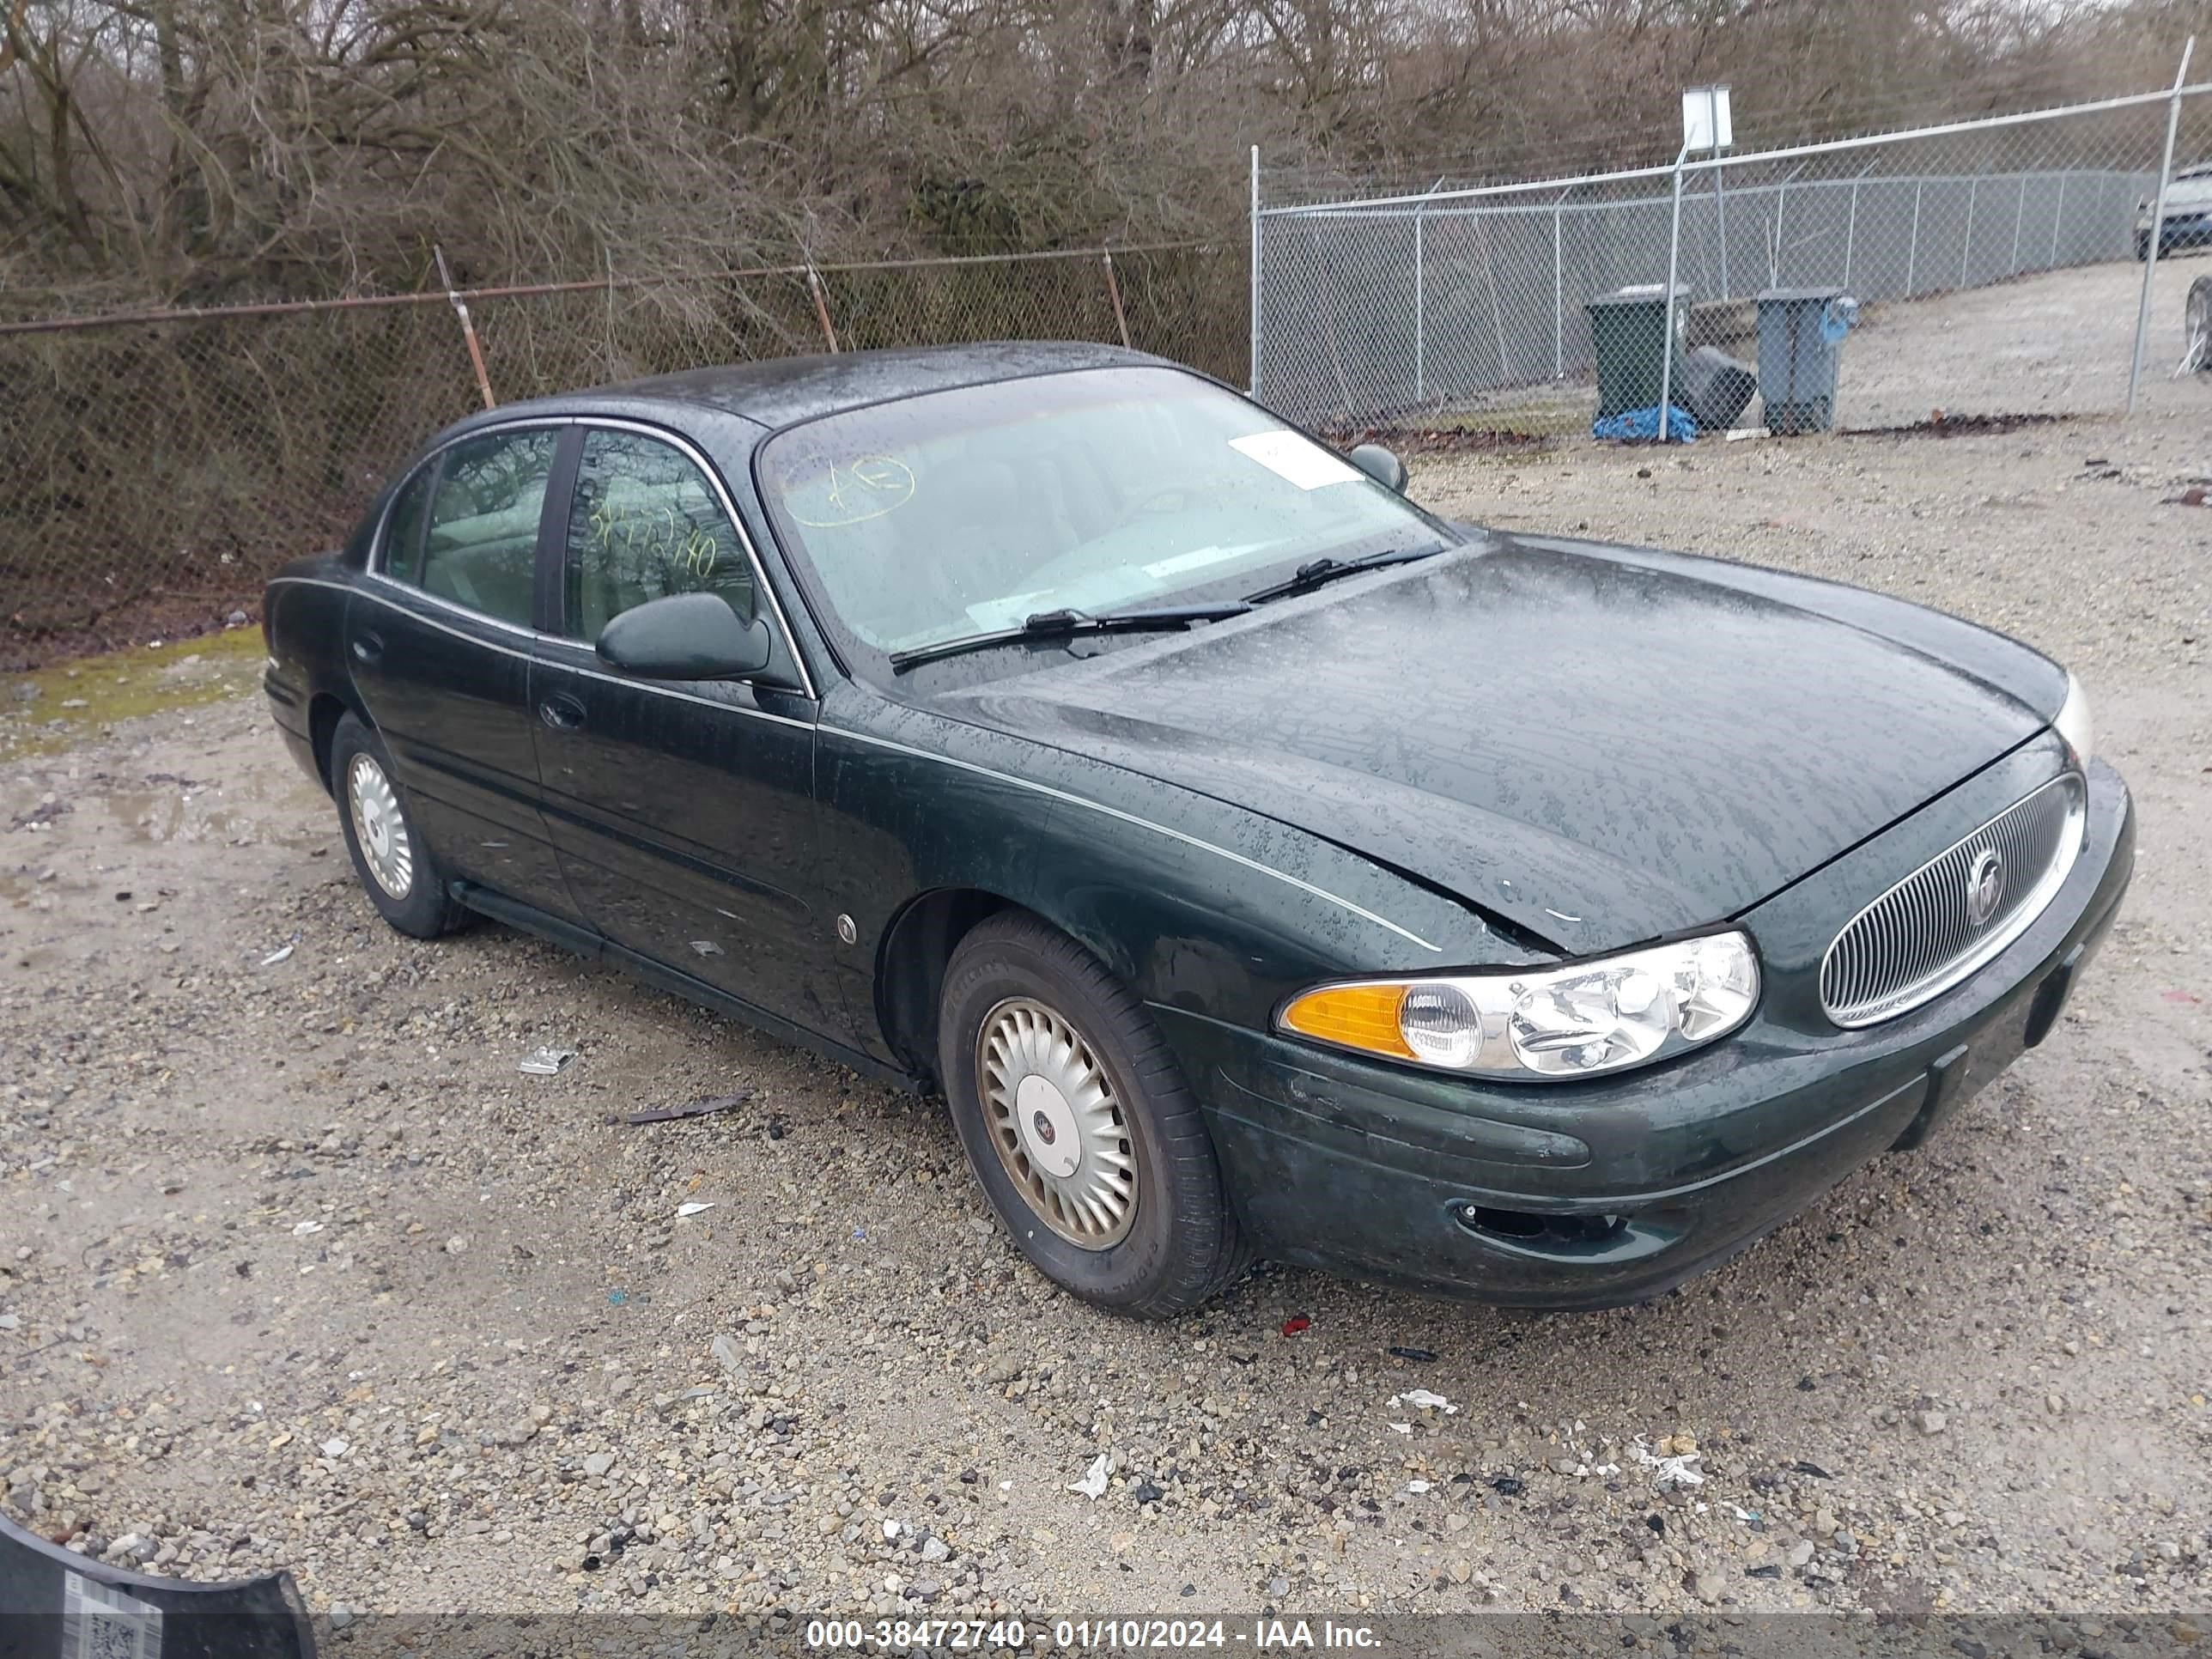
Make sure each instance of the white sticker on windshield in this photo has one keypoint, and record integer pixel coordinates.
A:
(1290, 455)
(1196, 559)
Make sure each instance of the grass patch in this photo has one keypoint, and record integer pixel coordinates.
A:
(71, 701)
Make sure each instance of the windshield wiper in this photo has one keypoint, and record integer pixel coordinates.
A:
(1312, 574)
(1056, 624)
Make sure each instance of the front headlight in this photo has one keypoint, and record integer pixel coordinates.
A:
(1549, 1022)
(2073, 722)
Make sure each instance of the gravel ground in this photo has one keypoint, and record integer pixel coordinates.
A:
(297, 1270)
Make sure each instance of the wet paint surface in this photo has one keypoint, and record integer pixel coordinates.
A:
(1599, 751)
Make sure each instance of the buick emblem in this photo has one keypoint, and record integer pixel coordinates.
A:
(1985, 887)
(1045, 1132)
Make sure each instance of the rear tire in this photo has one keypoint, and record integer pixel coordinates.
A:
(1079, 1125)
(395, 865)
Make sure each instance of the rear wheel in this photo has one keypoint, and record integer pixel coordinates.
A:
(1079, 1123)
(2197, 326)
(394, 864)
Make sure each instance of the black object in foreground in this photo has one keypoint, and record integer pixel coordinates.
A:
(54, 1604)
(696, 1108)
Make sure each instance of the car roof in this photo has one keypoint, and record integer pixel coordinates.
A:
(781, 392)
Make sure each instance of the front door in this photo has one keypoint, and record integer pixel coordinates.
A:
(439, 641)
(683, 814)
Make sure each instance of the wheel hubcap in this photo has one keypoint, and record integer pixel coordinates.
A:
(380, 827)
(1056, 1124)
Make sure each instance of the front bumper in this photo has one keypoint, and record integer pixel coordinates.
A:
(2180, 230)
(1587, 1195)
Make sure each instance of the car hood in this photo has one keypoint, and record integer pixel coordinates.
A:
(1594, 746)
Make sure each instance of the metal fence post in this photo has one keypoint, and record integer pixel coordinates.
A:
(1720, 190)
(1912, 252)
(1667, 297)
(1851, 226)
(1781, 211)
(1560, 286)
(468, 328)
(1420, 313)
(821, 305)
(1114, 293)
(2058, 220)
(1421, 299)
(1255, 372)
(2019, 218)
(1966, 249)
(2157, 223)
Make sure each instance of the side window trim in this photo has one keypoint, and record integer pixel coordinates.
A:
(380, 557)
(690, 452)
(549, 602)
(436, 458)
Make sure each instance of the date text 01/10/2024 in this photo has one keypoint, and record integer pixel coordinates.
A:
(902, 1635)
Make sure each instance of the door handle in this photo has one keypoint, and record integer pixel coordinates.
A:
(562, 712)
(368, 647)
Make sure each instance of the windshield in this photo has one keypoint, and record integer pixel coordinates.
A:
(954, 513)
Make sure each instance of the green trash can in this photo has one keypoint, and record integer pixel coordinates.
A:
(1800, 338)
(1628, 329)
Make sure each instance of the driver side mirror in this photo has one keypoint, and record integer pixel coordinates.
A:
(1381, 465)
(685, 636)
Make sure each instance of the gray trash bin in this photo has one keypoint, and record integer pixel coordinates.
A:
(1628, 329)
(1800, 337)
(1714, 388)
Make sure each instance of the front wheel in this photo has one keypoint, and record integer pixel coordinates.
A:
(394, 864)
(1079, 1125)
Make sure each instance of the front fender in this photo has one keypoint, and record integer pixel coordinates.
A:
(1195, 903)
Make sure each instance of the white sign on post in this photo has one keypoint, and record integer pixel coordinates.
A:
(1707, 122)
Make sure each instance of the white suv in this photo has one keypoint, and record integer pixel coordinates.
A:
(2188, 213)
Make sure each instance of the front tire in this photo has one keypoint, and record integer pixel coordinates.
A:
(1079, 1125)
(393, 863)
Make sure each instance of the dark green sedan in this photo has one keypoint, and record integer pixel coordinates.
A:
(1255, 862)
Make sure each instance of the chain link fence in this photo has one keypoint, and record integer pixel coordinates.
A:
(161, 465)
(1996, 265)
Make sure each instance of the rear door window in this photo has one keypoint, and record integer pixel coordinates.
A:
(480, 545)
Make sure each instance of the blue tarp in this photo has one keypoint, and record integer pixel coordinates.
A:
(1642, 425)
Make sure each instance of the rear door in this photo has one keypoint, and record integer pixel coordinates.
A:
(439, 641)
(683, 812)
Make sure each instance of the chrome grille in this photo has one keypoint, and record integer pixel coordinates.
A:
(1924, 935)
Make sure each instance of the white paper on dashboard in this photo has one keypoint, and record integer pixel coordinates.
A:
(1289, 455)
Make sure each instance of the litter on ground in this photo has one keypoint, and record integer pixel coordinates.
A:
(545, 1061)
(1093, 1484)
(1422, 1401)
(682, 1210)
(1679, 1470)
(696, 1108)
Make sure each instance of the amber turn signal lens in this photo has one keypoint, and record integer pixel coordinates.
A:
(1355, 1016)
